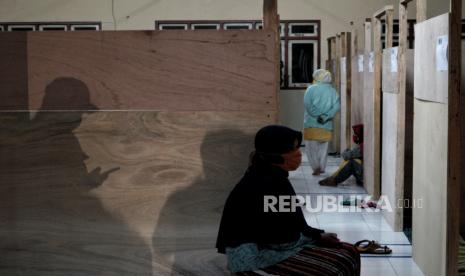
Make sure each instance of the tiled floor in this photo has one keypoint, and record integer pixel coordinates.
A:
(356, 225)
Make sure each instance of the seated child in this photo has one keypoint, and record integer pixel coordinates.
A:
(352, 164)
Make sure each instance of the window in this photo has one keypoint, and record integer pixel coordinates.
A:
(173, 26)
(303, 29)
(237, 26)
(21, 28)
(50, 26)
(299, 44)
(302, 57)
(395, 33)
(84, 28)
(205, 26)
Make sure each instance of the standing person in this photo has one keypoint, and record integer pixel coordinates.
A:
(258, 242)
(321, 104)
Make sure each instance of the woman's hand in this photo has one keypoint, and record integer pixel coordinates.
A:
(329, 240)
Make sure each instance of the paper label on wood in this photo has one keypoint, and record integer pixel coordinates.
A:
(441, 53)
(360, 63)
(394, 60)
(371, 62)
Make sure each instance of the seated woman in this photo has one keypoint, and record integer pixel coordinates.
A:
(352, 164)
(256, 240)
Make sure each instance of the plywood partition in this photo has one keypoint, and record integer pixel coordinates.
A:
(397, 121)
(356, 82)
(397, 128)
(368, 103)
(345, 90)
(372, 105)
(335, 144)
(437, 132)
(368, 120)
(333, 65)
(122, 159)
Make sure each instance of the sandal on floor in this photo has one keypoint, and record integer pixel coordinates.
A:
(371, 247)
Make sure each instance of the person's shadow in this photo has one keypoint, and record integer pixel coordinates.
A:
(51, 223)
(185, 234)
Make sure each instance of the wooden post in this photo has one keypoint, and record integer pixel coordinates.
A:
(271, 22)
(345, 91)
(270, 15)
(376, 126)
(454, 151)
(421, 10)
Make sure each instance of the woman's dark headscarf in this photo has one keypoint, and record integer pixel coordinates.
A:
(273, 141)
(244, 219)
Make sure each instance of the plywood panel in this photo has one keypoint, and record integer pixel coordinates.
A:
(425, 65)
(13, 71)
(462, 190)
(430, 179)
(389, 157)
(395, 147)
(430, 185)
(369, 125)
(345, 106)
(200, 70)
(118, 192)
(357, 92)
(139, 188)
(390, 71)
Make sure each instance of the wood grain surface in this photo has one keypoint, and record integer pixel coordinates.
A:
(118, 149)
(430, 179)
(356, 91)
(435, 81)
(118, 193)
(128, 70)
(368, 130)
(397, 140)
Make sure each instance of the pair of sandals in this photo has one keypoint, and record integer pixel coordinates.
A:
(371, 247)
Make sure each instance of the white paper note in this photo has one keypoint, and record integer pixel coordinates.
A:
(441, 53)
(360, 63)
(394, 60)
(371, 62)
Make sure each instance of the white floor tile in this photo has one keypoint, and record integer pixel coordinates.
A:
(354, 236)
(371, 271)
(405, 267)
(387, 237)
(299, 185)
(378, 224)
(378, 262)
(360, 224)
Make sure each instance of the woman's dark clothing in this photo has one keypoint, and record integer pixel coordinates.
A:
(244, 219)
